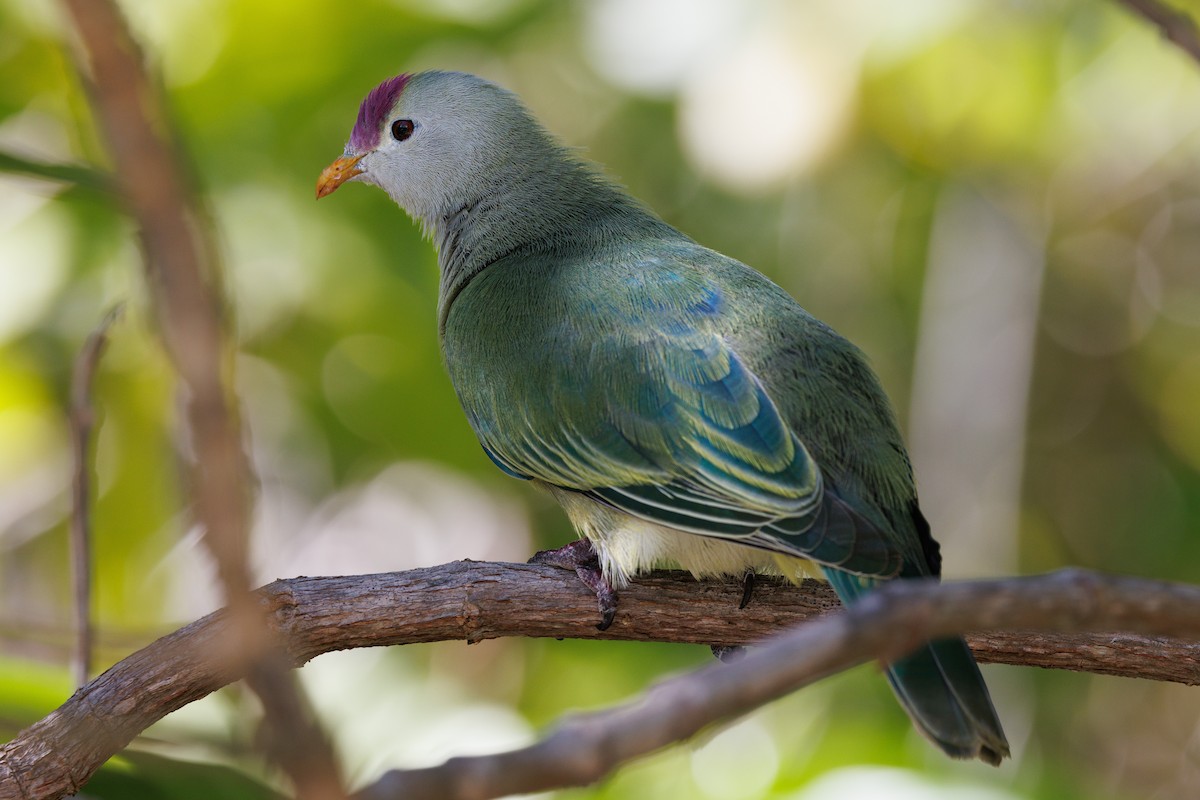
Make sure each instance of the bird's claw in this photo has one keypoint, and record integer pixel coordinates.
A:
(727, 654)
(582, 557)
(606, 598)
(747, 589)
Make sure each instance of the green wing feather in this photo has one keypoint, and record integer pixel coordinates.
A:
(643, 404)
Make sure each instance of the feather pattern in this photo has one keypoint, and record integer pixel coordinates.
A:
(680, 406)
(645, 403)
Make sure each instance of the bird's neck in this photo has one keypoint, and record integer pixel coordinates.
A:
(532, 206)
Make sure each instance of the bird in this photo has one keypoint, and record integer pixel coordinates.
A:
(681, 407)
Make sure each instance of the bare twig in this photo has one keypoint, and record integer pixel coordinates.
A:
(478, 600)
(1175, 26)
(182, 273)
(81, 420)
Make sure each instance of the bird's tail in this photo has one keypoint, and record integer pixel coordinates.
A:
(941, 688)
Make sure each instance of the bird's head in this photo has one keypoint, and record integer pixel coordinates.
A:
(433, 140)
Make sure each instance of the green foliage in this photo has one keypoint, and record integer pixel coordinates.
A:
(153, 777)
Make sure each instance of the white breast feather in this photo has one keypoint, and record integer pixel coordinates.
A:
(630, 546)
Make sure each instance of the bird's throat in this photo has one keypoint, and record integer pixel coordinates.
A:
(554, 205)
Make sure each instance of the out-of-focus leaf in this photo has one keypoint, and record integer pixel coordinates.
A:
(136, 775)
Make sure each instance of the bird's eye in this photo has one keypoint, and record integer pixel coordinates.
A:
(402, 129)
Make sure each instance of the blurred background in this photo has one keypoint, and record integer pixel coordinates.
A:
(998, 201)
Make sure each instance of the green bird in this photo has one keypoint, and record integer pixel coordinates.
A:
(680, 406)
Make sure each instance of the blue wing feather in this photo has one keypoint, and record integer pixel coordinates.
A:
(651, 410)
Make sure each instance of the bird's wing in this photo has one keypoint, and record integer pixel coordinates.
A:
(651, 411)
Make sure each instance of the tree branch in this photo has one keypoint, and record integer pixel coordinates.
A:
(885, 625)
(1025, 618)
(183, 276)
(1175, 26)
(80, 419)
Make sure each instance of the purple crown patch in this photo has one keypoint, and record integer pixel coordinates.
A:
(374, 108)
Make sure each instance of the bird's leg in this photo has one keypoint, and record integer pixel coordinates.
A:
(582, 557)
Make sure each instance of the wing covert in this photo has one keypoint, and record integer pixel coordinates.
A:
(643, 405)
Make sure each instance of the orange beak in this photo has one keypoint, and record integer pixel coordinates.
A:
(338, 173)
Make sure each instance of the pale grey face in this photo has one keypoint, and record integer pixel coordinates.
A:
(437, 145)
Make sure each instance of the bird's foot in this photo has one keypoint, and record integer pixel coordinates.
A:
(727, 653)
(581, 556)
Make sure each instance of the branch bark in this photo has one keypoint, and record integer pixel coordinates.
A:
(1024, 619)
(81, 418)
(1176, 27)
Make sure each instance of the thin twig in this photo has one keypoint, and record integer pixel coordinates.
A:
(81, 419)
(182, 274)
(472, 601)
(1176, 26)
